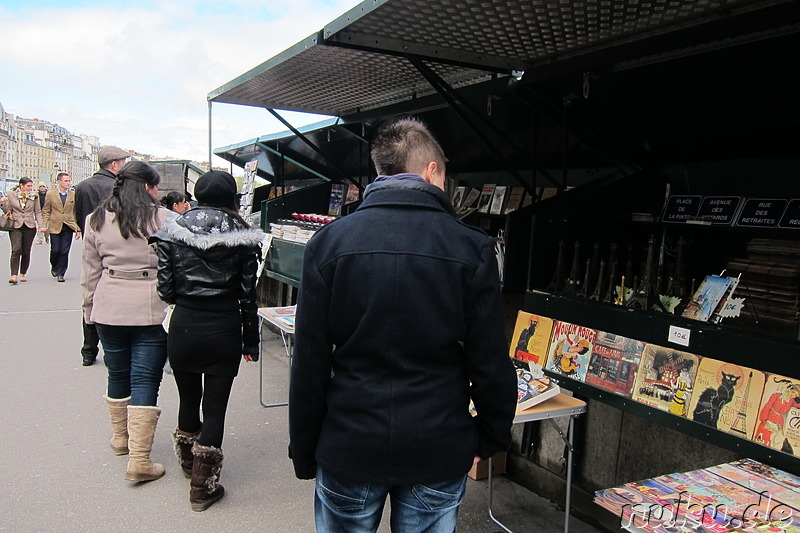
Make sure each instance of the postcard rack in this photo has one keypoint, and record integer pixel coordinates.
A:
(768, 354)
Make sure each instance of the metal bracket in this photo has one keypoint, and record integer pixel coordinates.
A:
(299, 135)
(456, 103)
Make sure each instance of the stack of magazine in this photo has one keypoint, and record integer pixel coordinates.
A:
(742, 496)
(282, 316)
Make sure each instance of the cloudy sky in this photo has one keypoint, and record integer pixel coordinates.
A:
(137, 74)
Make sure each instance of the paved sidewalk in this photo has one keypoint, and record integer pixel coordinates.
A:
(61, 476)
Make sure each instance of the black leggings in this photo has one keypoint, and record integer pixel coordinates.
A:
(215, 403)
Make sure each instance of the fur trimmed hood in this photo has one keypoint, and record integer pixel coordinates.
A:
(206, 227)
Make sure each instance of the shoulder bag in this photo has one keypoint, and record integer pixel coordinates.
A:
(6, 221)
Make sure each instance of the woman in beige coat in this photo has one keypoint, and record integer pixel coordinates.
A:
(119, 296)
(23, 204)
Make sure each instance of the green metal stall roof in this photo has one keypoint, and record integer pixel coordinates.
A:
(357, 62)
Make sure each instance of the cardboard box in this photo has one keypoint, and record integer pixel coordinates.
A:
(481, 470)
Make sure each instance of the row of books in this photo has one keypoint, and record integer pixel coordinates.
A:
(492, 199)
(743, 495)
(745, 402)
(293, 230)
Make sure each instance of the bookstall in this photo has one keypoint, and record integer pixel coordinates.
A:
(627, 151)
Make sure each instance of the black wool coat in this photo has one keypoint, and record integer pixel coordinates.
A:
(90, 193)
(399, 323)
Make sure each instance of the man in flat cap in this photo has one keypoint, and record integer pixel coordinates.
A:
(88, 195)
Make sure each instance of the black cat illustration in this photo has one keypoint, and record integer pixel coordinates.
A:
(711, 401)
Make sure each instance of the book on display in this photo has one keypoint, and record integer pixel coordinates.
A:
(706, 298)
(485, 198)
(533, 390)
(498, 200)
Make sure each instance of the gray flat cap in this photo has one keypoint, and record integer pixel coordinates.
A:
(111, 153)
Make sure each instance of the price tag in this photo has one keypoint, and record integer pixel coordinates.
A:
(679, 335)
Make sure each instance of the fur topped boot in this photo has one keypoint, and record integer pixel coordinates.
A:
(183, 449)
(205, 488)
(142, 421)
(118, 413)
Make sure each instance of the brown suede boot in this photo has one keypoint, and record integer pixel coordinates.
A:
(118, 413)
(183, 449)
(205, 488)
(142, 422)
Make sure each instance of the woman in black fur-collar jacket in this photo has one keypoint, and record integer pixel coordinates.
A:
(207, 262)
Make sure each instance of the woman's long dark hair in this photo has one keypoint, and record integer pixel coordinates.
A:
(133, 206)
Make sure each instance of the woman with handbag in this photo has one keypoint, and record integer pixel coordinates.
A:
(207, 262)
(23, 205)
(119, 296)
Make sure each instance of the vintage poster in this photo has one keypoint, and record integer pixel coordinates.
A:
(570, 350)
(531, 338)
(778, 424)
(665, 379)
(726, 397)
(614, 362)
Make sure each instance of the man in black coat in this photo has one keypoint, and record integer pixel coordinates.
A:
(399, 325)
(88, 195)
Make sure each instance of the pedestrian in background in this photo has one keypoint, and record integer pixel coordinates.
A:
(23, 204)
(119, 297)
(176, 202)
(88, 195)
(207, 262)
(42, 236)
(399, 324)
(59, 219)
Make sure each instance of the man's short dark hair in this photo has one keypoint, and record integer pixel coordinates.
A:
(61, 174)
(405, 145)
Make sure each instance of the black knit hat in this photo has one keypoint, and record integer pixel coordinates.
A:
(216, 188)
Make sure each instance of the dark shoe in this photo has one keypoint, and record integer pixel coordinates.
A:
(205, 488)
(183, 449)
(61, 279)
(53, 272)
(88, 360)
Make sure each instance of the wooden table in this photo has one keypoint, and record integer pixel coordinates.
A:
(556, 407)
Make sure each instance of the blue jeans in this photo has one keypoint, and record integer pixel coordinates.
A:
(135, 357)
(347, 506)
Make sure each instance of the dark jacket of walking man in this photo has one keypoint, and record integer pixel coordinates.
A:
(88, 195)
(399, 325)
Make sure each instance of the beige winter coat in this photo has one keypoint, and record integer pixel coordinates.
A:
(56, 215)
(30, 215)
(119, 277)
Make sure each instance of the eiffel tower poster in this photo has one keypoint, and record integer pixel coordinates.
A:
(726, 396)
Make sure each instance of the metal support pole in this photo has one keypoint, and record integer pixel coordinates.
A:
(209, 135)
